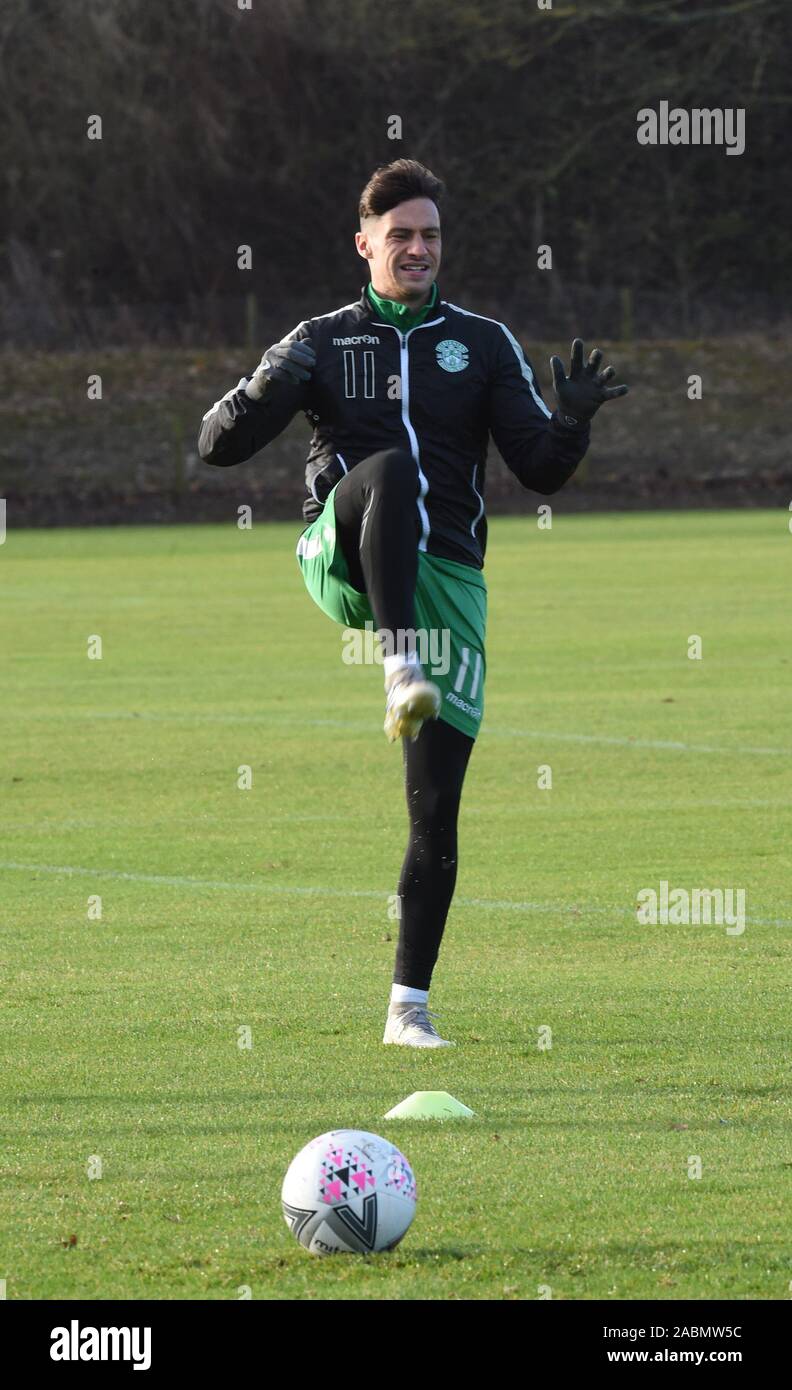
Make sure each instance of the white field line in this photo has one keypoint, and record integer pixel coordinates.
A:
(669, 745)
(294, 890)
(372, 727)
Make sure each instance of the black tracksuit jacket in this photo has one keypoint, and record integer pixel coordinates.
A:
(437, 392)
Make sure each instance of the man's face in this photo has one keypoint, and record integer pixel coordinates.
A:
(403, 249)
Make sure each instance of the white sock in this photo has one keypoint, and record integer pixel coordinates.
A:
(397, 663)
(404, 994)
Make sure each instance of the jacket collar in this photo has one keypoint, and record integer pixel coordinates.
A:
(369, 310)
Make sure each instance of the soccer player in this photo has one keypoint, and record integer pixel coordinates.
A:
(402, 390)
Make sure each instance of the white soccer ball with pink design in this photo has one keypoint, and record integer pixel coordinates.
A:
(349, 1191)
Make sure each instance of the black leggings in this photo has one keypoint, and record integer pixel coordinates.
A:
(378, 526)
(434, 768)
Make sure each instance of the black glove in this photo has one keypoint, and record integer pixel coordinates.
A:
(581, 393)
(291, 361)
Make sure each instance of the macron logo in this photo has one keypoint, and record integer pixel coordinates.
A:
(354, 342)
(75, 1343)
(472, 710)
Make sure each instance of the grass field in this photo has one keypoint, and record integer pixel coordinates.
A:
(267, 908)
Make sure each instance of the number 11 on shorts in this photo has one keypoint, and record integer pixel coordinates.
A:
(462, 671)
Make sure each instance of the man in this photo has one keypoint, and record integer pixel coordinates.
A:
(402, 390)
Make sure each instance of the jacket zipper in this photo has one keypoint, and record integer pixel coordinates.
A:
(404, 369)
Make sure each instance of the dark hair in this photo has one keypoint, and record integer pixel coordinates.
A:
(396, 183)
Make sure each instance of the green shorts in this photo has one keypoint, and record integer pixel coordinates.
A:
(450, 616)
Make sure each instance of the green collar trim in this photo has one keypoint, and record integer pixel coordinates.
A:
(401, 316)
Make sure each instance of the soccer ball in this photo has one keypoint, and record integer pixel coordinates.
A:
(349, 1191)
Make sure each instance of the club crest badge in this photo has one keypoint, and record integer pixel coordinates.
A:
(451, 355)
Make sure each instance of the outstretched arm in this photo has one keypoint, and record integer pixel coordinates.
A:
(543, 448)
(255, 411)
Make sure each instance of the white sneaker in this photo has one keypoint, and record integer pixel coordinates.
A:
(410, 1025)
(411, 700)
